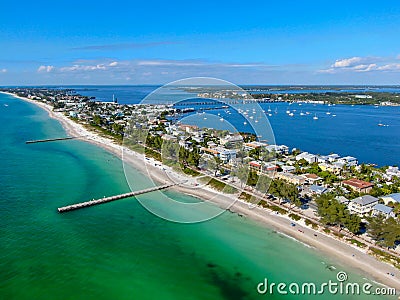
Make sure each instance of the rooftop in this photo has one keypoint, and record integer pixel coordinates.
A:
(312, 176)
(395, 197)
(383, 208)
(360, 184)
(317, 189)
(365, 200)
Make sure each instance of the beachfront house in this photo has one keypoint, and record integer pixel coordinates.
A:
(380, 209)
(288, 169)
(333, 168)
(322, 159)
(349, 161)
(226, 155)
(333, 157)
(342, 200)
(392, 171)
(253, 145)
(262, 167)
(310, 158)
(311, 178)
(168, 137)
(358, 185)
(291, 178)
(278, 149)
(317, 189)
(232, 140)
(362, 205)
(185, 144)
(392, 198)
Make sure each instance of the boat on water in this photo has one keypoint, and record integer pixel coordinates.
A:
(302, 114)
(383, 125)
(315, 117)
(288, 111)
(276, 110)
(307, 112)
(270, 115)
(269, 108)
(291, 114)
(333, 115)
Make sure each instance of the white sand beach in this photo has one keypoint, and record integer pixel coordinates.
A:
(344, 253)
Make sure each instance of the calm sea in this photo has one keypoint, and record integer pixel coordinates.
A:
(119, 250)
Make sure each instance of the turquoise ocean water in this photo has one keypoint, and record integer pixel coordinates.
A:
(119, 250)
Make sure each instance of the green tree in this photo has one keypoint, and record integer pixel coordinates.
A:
(243, 173)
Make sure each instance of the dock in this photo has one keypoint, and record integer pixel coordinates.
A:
(53, 140)
(116, 197)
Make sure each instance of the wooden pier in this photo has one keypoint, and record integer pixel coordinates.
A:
(53, 140)
(116, 197)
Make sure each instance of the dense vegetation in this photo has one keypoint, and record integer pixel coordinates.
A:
(334, 213)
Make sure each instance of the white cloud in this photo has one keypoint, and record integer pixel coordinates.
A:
(197, 63)
(83, 68)
(327, 71)
(347, 62)
(364, 68)
(390, 67)
(168, 63)
(3, 71)
(363, 64)
(46, 69)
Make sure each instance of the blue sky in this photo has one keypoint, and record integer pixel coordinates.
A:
(146, 42)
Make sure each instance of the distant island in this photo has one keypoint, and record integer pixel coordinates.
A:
(352, 95)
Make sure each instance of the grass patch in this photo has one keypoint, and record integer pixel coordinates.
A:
(214, 183)
(230, 190)
(294, 217)
(153, 154)
(278, 209)
(358, 243)
(386, 257)
(220, 186)
(311, 223)
(191, 172)
(104, 132)
(339, 235)
(244, 196)
(264, 204)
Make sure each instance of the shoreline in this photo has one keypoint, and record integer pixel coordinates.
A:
(325, 244)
